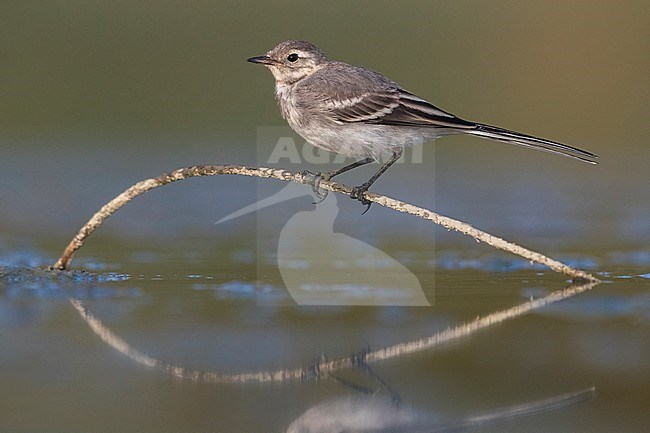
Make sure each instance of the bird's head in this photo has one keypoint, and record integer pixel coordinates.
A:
(291, 61)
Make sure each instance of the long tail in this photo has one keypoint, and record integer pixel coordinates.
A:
(519, 139)
(533, 407)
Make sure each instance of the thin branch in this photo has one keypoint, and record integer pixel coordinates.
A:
(320, 368)
(323, 367)
(210, 170)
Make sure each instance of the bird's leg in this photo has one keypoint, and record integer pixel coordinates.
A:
(315, 178)
(358, 360)
(348, 167)
(359, 191)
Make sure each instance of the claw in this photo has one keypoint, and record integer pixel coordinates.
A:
(321, 194)
(357, 194)
(314, 179)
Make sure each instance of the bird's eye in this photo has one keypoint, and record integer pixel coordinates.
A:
(293, 57)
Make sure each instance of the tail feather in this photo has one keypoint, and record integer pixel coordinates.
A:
(532, 408)
(524, 140)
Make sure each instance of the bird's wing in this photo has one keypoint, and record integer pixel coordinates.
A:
(362, 107)
(393, 106)
(358, 95)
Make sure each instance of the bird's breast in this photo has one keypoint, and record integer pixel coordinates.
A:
(288, 106)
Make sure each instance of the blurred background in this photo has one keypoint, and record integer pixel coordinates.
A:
(95, 96)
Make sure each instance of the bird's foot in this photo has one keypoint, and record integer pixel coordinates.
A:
(314, 179)
(312, 371)
(358, 194)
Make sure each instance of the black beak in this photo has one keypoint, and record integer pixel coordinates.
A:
(264, 60)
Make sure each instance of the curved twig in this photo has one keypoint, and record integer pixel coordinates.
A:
(210, 170)
(322, 367)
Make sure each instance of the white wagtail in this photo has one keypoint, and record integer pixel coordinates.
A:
(357, 112)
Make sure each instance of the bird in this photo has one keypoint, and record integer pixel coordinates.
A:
(359, 113)
(378, 412)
